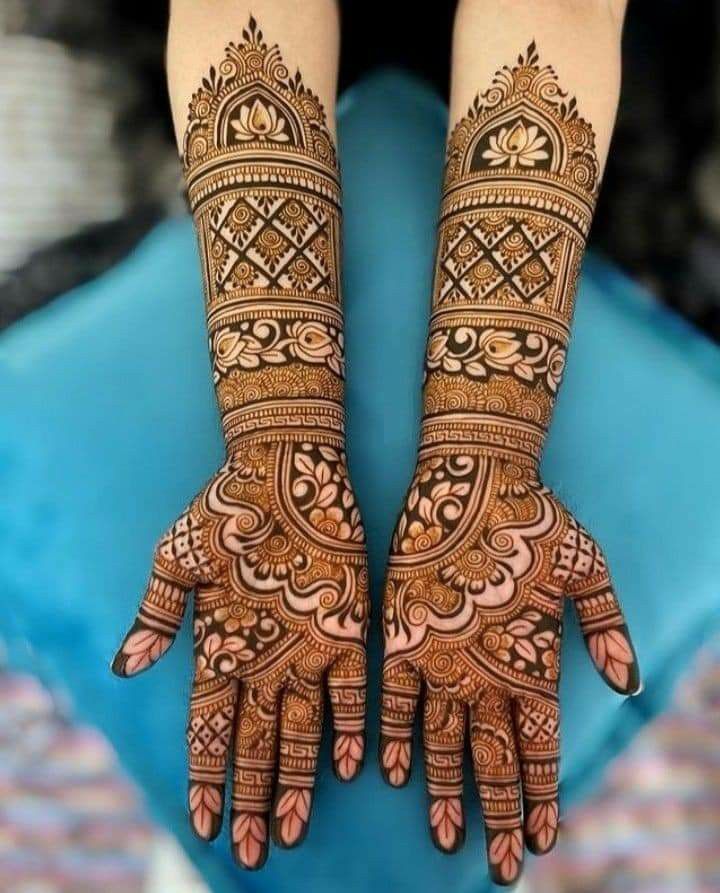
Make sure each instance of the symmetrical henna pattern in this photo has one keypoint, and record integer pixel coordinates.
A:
(274, 546)
(483, 554)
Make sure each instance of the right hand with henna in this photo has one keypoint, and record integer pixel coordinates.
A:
(274, 550)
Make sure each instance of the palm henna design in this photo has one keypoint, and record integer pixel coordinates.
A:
(273, 547)
(483, 555)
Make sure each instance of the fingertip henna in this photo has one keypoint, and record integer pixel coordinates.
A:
(249, 840)
(348, 755)
(483, 552)
(141, 649)
(274, 544)
(447, 823)
(541, 826)
(291, 816)
(205, 802)
(505, 855)
(395, 760)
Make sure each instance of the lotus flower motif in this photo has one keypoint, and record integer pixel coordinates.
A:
(260, 121)
(517, 145)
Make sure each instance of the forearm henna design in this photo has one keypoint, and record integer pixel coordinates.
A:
(274, 546)
(483, 554)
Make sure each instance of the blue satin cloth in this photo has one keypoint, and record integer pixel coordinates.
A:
(108, 426)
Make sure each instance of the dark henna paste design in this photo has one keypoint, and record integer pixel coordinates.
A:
(273, 547)
(483, 554)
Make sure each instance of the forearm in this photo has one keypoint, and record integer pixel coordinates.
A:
(580, 39)
(263, 184)
(534, 92)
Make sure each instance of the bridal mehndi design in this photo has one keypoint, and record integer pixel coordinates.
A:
(274, 546)
(483, 554)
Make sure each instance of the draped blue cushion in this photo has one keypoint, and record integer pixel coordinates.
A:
(108, 425)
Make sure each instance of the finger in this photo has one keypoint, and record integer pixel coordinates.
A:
(300, 731)
(161, 610)
(347, 683)
(604, 629)
(253, 772)
(537, 732)
(497, 774)
(444, 739)
(400, 692)
(209, 733)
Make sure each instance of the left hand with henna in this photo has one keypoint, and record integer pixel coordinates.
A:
(273, 547)
(484, 555)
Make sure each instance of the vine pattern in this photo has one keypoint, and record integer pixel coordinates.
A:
(273, 548)
(484, 555)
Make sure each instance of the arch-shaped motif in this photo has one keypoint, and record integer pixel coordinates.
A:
(517, 129)
(251, 99)
(525, 123)
(257, 113)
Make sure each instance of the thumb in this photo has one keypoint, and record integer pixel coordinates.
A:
(163, 605)
(603, 625)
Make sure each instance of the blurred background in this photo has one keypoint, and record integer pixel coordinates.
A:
(88, 167)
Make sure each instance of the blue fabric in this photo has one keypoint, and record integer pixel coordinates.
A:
(108, 426)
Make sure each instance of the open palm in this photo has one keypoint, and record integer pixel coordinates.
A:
(274, 549)
(482, 558)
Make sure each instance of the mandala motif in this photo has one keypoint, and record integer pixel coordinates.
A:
(483, 554)
(273, 547)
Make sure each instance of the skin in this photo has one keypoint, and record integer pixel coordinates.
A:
(484, 555)
(273, 548)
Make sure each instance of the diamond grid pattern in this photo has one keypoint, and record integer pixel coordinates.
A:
(271, 242)
(209, 735)
(538, 726)
(511, 261)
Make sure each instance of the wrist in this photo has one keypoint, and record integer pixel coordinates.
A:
(498, 414)
(307, 420)
(277, 374)
(516, 440)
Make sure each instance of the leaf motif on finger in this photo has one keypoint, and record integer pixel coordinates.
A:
(446, 820)
(249, 834)
(293, 811)
(396, 761)
(542, 824)
(612, 655)
(348, 753)
(505, 854)
(205, 808)
(143, 648)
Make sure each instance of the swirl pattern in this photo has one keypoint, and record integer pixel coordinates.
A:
(483, 554)
(273, 547)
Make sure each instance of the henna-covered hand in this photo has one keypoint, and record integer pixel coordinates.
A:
(484, 555)
(483, 558)
(273, 547)
(274, 550)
